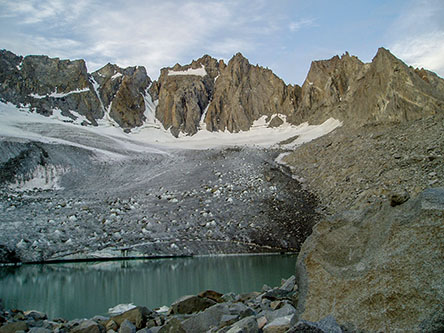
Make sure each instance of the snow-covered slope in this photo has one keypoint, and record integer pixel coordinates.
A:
(151, 137)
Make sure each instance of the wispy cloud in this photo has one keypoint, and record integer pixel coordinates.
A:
(426, 50)
(300, 24)
(418, 35)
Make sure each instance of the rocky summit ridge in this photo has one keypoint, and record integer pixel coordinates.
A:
(223, 97)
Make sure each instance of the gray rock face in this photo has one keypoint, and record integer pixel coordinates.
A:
(183, 93)
(379, 269)
(224, 97)
(385, 90)
(44, 84)
(244, 93)
(122, 92)
(327, 84)
(235, 95)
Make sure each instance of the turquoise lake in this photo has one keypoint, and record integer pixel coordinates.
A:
(82, 290)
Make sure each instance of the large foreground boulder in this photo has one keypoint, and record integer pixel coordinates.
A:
(377, 270)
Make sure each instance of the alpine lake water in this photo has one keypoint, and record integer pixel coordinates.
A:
(85, 289)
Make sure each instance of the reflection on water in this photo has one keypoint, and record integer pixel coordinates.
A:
(82, 290)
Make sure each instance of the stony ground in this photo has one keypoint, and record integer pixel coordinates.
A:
(351, 168)
(179, 203)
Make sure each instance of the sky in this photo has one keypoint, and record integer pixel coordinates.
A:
(283, 35)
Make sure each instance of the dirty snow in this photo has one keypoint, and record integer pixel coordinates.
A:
(43, 178)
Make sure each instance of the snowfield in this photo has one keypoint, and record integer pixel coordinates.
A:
(21, 123)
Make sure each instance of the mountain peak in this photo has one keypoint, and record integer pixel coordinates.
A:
(209, 93)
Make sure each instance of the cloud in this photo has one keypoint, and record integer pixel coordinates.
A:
(425, 50)
(300, 24)
(131, 32)
(418, 35)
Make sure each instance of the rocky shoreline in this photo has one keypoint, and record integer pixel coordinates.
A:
(271, 310)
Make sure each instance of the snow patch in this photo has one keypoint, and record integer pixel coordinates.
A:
(150, 108)
(56, 94)
(308, 132)
(190, 71)
(96, 87)
(57, 115)
(202, 124)
(115, 76)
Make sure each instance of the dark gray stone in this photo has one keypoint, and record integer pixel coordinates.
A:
(127, 327)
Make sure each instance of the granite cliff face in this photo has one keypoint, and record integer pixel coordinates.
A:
(244, 93)
(46, 84)
(184, 92)
(122, 92)
(208, 93)
(223, 97)
(385, 90)
(230, 97)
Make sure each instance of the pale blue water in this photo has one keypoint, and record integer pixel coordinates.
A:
(82, 290)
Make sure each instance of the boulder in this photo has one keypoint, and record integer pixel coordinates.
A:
(88, 326)
(325, 325)
(127, 327)
(286, 310)
(278, 294)
(191, 304)
(36, 315)
(399, 198)
(213, 295)
(246, 325)
(138, 316)
(14, 327)
(378, 269)
(172, 326)
(39, 330)
(276, 121)
(111, 325)
(211, 317)
(278, 325)
(289, 285)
